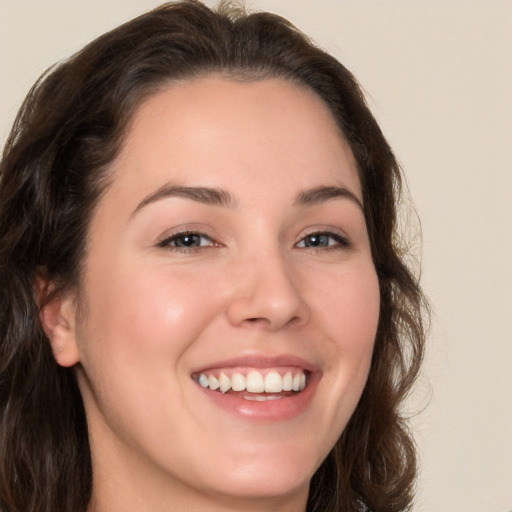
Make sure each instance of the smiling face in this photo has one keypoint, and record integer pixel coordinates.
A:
(229, 256)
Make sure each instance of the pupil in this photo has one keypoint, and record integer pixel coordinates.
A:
(317, 240)
(188, 241)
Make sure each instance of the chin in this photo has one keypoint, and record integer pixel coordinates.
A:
(268, 475)
(269, 486)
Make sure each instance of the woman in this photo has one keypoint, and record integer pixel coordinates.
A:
(203, 302)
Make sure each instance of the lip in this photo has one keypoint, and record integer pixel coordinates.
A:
(261, 362)
(270, 411)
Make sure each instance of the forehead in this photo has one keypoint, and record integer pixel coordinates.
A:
(219, 132)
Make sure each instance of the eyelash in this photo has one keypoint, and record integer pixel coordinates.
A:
(168, 242)
(318, 237)
(321, 237)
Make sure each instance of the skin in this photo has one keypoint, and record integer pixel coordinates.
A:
(153, 313)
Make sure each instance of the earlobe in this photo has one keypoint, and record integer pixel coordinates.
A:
(58, 319)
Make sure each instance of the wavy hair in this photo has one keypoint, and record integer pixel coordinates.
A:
(54, 169)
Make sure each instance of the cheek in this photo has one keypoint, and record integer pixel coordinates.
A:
(347, 310)
(348, 305)
(150, 300)
(140, 319)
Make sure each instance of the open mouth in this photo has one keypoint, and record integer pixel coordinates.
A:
(255, 384)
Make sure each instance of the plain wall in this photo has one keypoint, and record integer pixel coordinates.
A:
(439, 79)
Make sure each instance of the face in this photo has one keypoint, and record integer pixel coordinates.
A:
(230, 302)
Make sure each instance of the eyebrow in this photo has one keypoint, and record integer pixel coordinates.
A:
(205, 195)
(326, 193)
(220, 197)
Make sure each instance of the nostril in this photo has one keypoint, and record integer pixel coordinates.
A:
(257, 321)
(268, 322)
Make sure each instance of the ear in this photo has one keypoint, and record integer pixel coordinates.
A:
(58, 319)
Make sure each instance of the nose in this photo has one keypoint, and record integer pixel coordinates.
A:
(267, 294)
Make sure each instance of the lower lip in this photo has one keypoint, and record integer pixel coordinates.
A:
(267, 411)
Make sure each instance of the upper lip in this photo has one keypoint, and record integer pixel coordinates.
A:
(260, 361)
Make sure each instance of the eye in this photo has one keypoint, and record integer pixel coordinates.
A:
(323, 240)
(188, 240)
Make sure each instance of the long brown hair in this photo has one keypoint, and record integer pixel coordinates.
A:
(54, 168)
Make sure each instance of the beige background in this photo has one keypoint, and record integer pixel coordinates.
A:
(439, 79)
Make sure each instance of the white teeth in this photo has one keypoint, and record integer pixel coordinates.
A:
(225, 383)
(213, 382)
(287, 382)
(255, 382)
(296, 382)
(273, 382)
(238, 382)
